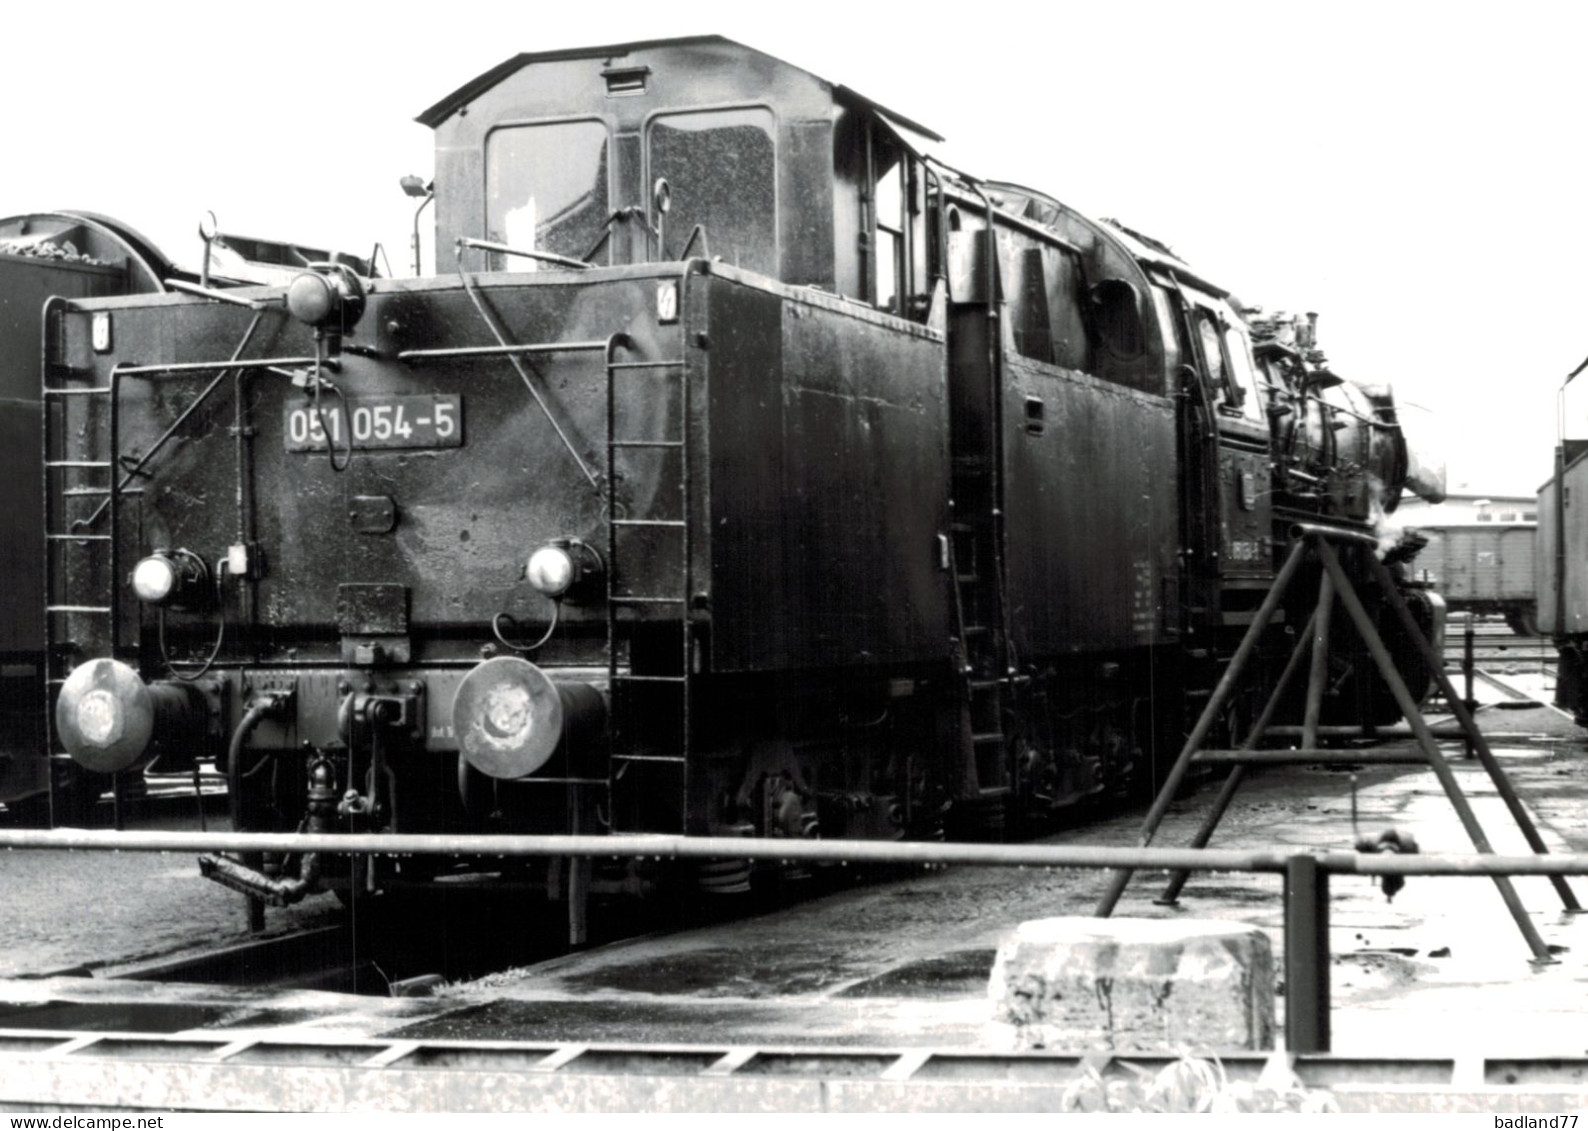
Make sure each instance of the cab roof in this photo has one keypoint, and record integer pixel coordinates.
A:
(472, 89)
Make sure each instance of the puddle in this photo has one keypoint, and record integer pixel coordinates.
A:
(109, 1017)
(714, 972)
(959, 973)
(637, 1021)
(1375, 969)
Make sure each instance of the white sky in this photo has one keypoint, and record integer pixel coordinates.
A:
(1409, 171)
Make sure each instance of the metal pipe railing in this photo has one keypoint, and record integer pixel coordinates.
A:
(1306, 886)
(661, 846)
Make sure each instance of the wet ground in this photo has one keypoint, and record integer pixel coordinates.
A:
(903, 962)
(1441, 968)
(87, 911)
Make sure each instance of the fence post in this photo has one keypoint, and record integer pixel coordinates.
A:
(1306, 955)
(1468, 669)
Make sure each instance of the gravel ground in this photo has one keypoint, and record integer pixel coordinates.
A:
(65, 910)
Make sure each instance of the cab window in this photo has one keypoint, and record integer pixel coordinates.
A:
(1243, 373)
(546, 189)
(889, 203)
(1231, 381)
(721, 168)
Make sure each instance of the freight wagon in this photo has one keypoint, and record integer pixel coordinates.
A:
(1484, 568)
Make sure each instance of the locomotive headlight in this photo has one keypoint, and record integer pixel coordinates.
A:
(169, 577)
(550, 570)
(562, 567)
(329, 294)
(311, 299)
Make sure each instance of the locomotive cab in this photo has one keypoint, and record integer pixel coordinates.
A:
(651, 152)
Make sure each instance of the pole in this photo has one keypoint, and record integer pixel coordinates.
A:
(1468, 669)
(1306, 956)
(1319, 673)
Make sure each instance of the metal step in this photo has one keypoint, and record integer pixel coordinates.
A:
(674, 363)
(1338, 757)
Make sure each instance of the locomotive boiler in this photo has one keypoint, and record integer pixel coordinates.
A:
(754, 473)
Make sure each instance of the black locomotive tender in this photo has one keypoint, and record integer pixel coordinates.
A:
(754, 474)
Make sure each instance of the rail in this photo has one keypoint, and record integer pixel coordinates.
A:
(1306, 897)
(305, 1070)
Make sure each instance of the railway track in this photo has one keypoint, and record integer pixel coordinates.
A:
(1494, 643)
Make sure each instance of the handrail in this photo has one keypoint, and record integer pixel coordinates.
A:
(664, 846)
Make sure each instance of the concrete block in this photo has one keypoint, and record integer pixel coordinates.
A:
(1142, 985)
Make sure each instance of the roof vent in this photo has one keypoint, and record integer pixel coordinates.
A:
(626, 80)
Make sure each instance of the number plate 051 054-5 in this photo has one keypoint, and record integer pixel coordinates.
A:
(434, 421)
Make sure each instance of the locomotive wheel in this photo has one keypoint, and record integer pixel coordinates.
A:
(981, 818)
(722, 877)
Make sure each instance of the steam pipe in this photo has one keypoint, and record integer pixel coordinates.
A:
(260, 888)
(257, 711)
(256, 885)
(429, 197)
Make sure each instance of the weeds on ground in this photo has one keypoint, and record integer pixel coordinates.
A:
(1194, 1084)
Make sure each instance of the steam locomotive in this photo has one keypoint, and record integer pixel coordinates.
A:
(754, 474)
(41, 254)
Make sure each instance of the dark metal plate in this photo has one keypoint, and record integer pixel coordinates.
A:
(372, 610)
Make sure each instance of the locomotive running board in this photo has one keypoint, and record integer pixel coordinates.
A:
(1315, 638)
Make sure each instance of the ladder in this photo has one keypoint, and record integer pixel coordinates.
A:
(72, 550)
(982, 666)
(631, 691)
